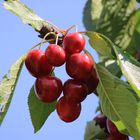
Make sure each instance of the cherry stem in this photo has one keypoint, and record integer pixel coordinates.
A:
(57, 37)
(73, 26)
(45, 37)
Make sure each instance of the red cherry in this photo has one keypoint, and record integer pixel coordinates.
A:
(55, 55)
(115, 137)
(48, 88)
(112, 129)
(101, 120)
(74, 42)
(37, 63)
(67, 110)
(78, 66)
(92, 81)
(75, 90)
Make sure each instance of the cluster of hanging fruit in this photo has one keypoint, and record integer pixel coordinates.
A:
(79, 66)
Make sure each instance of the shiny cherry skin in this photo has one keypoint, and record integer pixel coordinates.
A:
(112, 129)
(48, 88)
(37, 64)
(67, 110)
(92, 81)
(55, 55)
(75, 90)
(74, 43)
(78, 66)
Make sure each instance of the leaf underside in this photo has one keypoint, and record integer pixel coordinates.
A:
(39, 111)
(7, 87)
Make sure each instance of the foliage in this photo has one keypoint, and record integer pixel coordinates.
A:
(114, 32)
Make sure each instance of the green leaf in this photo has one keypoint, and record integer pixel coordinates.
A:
(99, 44)
(118, 101)
(130, 69)
(91, 13)
(7, 86)
(39, 111)
(94, 131)
(27, 15)
(112, 66)
(117, 22)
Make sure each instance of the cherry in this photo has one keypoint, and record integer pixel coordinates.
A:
(92, 81)
(114, 137)
(75, 90)
(78, 66)
(37, 63)
(74, 42)
(67, 110)
(101, 120)
(48, 88)
(112, 129)
(55, 55)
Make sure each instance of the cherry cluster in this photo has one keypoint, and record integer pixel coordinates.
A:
(79, 66)
(109, 128)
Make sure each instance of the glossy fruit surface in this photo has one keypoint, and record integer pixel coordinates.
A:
(92, 81)
(67, 110)
(79, 66)
(55, 55)
(74, 42)
(37, 64)
(48, 88)
(75, 90)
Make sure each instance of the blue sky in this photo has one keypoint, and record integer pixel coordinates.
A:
(16, 38)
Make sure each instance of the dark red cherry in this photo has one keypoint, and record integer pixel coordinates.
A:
(74, 42)
(67, 110)
(79, 66)
(115, 137)
(48, 88)
(75, 90)
(92, 81)
(101, 120)
(37, 64)
(55, 55)
(112, 129)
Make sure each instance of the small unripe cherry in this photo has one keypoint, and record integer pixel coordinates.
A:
(74, 43)
(78, 66)
(55, 55)
(67, 110)
(92, 81)
(75, 90)
(37, 64)
(48, 88)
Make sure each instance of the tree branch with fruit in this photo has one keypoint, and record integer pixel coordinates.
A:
(113, 30)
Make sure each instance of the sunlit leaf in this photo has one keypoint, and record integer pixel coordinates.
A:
(118, 101)
(7, 86)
